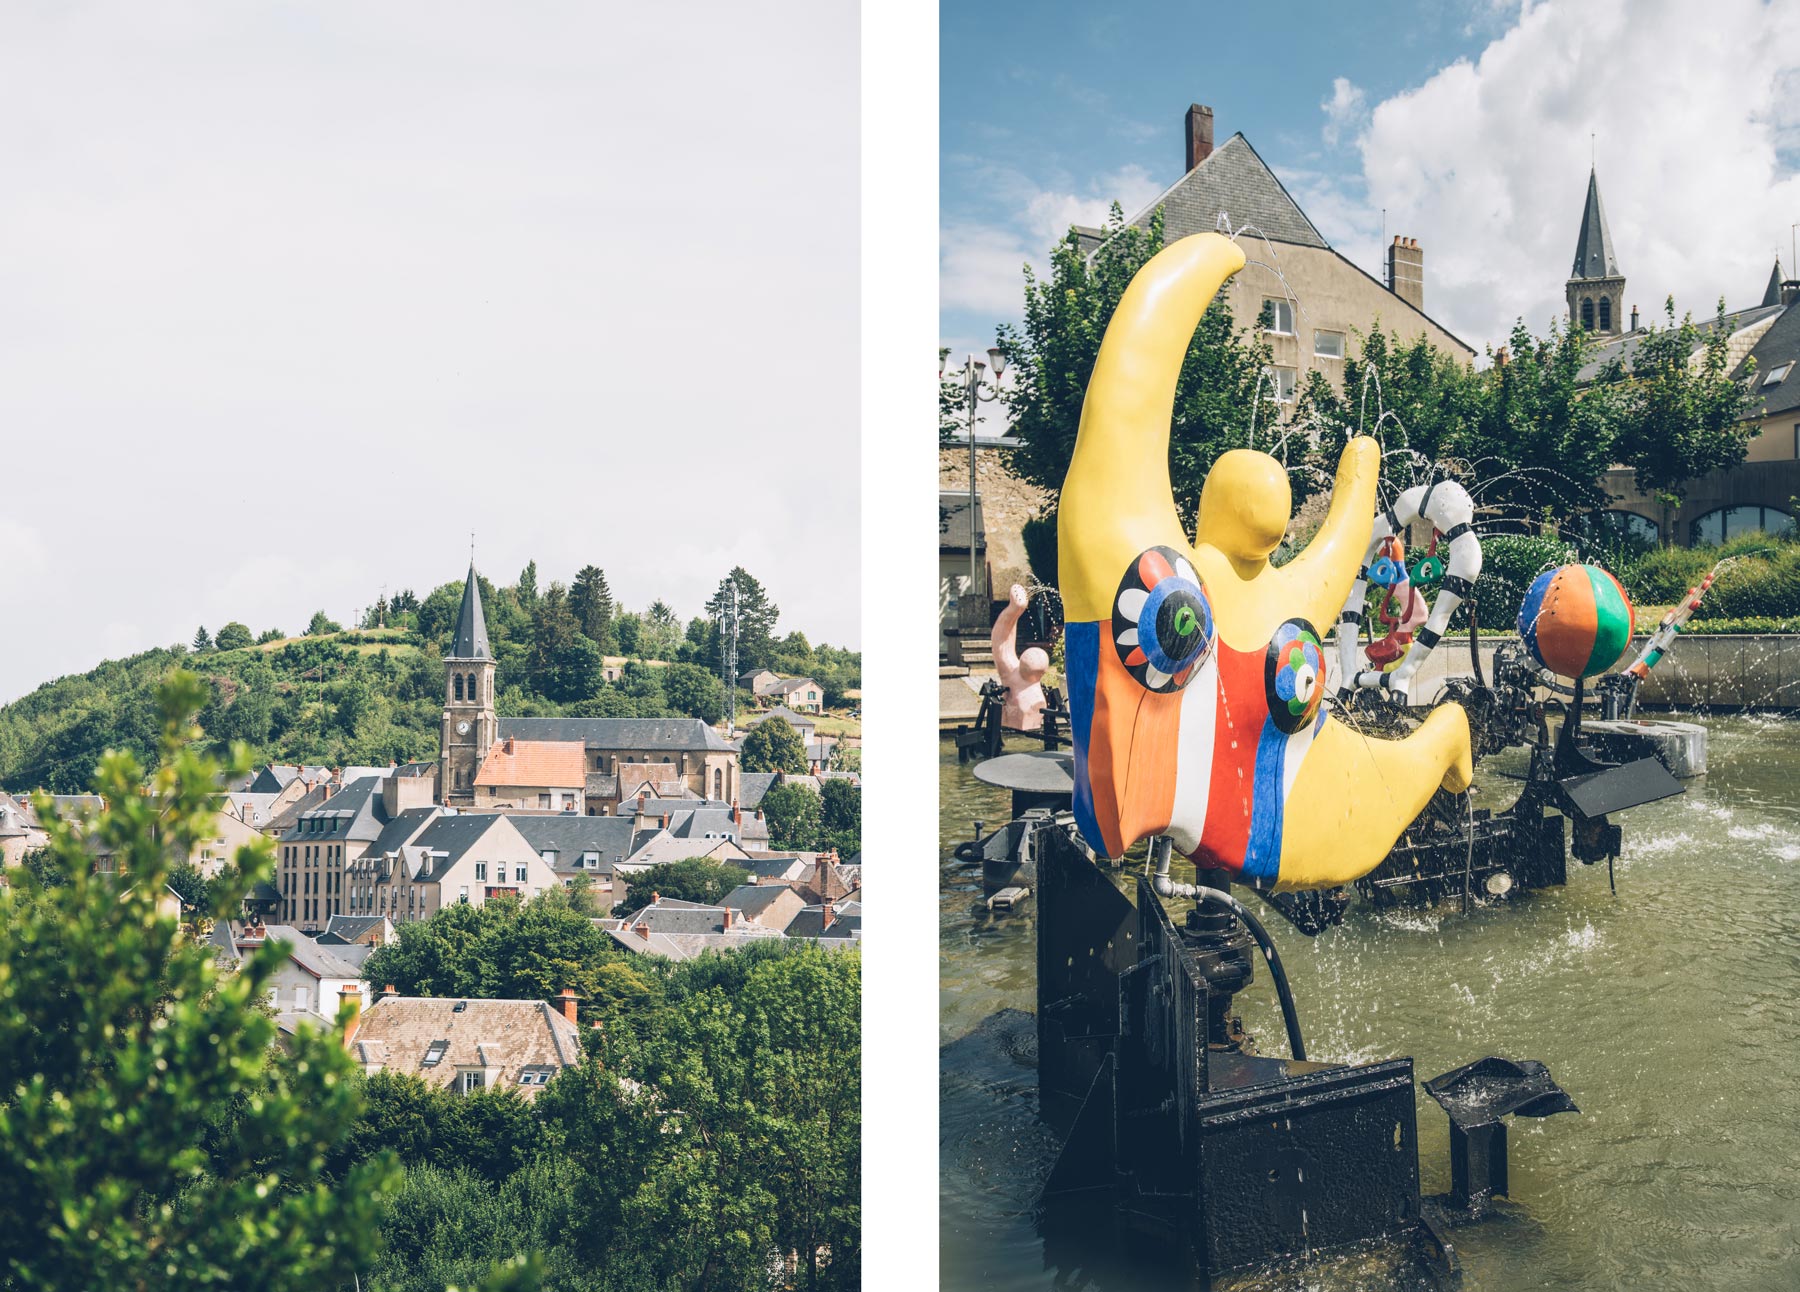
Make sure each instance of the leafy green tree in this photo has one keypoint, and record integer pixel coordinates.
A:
(234, 636)
(1678, 408)
(202, 641)
(564, 664)
(527, 589)
(269, 635)
(841, 814)
(659, 636)
(1052, 355)
(796, 818)
(322, 625)
(122, 1045)
(189, 884)
(695, 879)
(592, 601)
(773, 746)
(757, 616)
(690, 689)
(628, 631)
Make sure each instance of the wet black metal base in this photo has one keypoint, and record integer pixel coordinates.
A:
(1202, 1147)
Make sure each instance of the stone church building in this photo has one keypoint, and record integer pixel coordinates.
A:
(585, 766)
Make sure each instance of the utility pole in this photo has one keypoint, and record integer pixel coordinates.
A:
(728, 643)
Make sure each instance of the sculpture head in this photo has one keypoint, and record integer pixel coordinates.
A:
(1245, 506)
(1033, 664)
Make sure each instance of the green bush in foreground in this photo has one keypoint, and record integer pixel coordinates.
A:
(151, 1136)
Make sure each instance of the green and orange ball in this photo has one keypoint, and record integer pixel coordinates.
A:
(1576, 620)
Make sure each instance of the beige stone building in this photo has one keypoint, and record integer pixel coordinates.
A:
(466, 1045)
(324, 841)
(455, 857)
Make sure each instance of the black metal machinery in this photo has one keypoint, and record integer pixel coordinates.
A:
(1571, 789)
(988, 736)
(1212, 1155)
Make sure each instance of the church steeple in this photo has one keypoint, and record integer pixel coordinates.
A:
(1772, 293)
(470, 725)
(1596, 288)
(471, 625)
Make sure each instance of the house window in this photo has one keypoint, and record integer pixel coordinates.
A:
(536, 1074)
(463, 897)
(473, 1081)
(1728, 522)
(481, 872)
(1778, 375)
(1605, 314)
(520, 874)
(1328, 345)
(1280, 314)
(590, 861)
(543, 800)
(549, 856)
(434, 1055)
(1283, 381)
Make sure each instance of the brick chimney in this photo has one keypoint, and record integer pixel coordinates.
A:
(565, 1000)
(730, 916)
(509, 746)
(387, 991)
(1406, 271)
(737, 814)
(1199, 134)
(830, 917)
(348, 995)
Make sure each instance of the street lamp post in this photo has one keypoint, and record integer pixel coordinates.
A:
(978, 389)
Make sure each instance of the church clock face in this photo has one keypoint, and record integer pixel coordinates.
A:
(462, 728)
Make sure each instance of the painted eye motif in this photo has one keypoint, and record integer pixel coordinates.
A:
(1162, 621)
(1294, 675)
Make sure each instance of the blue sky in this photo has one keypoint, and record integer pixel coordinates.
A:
(1469, 122)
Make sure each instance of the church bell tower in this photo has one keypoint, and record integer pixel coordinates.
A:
(470, 726)
(1596, 288)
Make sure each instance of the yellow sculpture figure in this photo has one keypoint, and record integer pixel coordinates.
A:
(1196, 673)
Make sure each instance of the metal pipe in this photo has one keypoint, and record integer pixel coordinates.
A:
(1164, 886)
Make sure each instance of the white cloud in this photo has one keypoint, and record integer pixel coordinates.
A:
(980, 263)
(1486, 162)
(1345, 111)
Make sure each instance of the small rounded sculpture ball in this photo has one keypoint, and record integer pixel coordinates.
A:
(1576, 620)
(1034, 662)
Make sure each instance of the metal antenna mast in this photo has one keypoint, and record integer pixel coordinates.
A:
(728, 638)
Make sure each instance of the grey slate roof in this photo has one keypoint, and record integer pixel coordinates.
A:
(1234, 180)
(810, 923)
(309, 955)
(753, 899)
(354, 812)
(454, 836)
(345, 929)
(752, 786)
(1622, 348)
(568, 836)
(400, 831)
(471, 640)
(672, 734)
(1594, 256)
(1779, 345)
(1772, 293)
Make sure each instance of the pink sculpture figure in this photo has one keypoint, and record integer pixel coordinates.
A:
(1021, 675)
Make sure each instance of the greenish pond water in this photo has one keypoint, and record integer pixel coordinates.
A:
(1671, 1013)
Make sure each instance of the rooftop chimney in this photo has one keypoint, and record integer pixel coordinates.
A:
(729, 913)
(1199, 135)
(348, 995)
(509, 745)
(1406, 271)
(566, 999)
(388, 991)
(1634, 322)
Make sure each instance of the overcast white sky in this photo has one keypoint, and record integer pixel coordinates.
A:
(305, 293)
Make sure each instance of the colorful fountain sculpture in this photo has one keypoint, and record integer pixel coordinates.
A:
(1196, 672)
(1197, 676)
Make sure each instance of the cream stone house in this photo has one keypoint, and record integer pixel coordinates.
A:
(469, 1045)
(533, 775)
(456, 857)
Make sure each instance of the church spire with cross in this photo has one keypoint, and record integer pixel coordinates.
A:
(1596, 288)
(470, 724)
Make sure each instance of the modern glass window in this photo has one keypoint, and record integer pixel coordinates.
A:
(1328, 345)
(1778, 374)
(1280, 314)
(434, 1054)
(1728, 522)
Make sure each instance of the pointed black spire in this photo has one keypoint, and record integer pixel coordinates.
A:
(471, 625)
(1772, 294)
(1594, 249)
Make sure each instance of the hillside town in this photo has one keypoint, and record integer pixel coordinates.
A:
(513, 808)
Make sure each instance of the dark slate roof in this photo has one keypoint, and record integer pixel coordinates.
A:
(753, 899)
(1594, 256)
(1779, 345)
(400, 831)
(672, 734)
(471, 625)
(1772, 293)
(810, 923)
(354, 812)
(683, 917)
(752, 786)
(1234, 180)
(343, 929)
(454, 836)
(568, 836)
(698, 823)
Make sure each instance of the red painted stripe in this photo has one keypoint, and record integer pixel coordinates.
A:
(1231, 800)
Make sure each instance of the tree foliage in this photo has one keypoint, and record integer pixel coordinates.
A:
(694, 879)
(773, 746)
(151, 1135)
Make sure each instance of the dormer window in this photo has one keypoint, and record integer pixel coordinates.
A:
(434, 1055)
(1778, 375)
